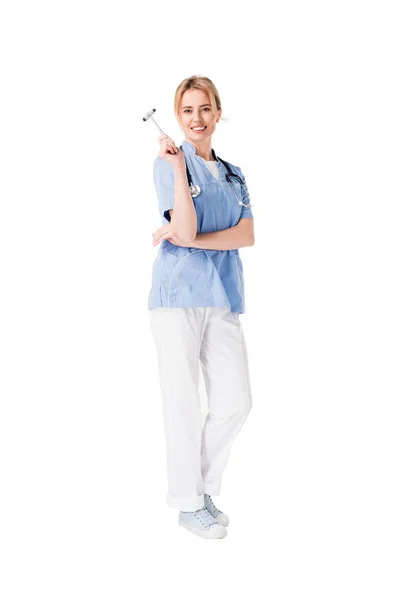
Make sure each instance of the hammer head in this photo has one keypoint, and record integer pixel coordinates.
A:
(148, 115)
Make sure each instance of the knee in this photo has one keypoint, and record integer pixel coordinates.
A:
(247, 408)
(237, 409)
(244, 408)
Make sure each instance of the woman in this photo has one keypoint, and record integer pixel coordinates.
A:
(195, 301)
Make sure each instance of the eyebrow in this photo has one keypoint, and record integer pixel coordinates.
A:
(200, 106)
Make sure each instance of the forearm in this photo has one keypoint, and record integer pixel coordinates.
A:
(184, 218)
(225, 239)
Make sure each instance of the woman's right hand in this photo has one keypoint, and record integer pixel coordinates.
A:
(169, 152)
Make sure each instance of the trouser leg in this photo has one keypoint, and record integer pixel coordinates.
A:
(177, 333)
(226, 376)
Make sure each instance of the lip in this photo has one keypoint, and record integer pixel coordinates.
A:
(205, 127)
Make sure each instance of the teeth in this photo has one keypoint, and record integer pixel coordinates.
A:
(198, 128)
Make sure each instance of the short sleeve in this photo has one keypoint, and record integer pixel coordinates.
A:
(246, 210)
(163, 175)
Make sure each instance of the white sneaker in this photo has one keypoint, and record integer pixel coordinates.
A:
(202, 523)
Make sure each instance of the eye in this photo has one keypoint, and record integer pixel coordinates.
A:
(207, 108)
(187, 110)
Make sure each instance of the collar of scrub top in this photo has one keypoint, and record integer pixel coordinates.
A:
(195, 189)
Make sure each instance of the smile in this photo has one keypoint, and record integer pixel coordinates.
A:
(198, 128)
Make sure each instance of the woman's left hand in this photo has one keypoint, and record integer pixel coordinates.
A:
(166, 233)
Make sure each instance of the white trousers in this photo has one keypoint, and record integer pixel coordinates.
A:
(197, 454)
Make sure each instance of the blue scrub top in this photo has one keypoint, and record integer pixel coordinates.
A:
(190, 277)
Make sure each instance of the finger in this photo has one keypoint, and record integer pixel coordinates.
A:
(164, 236)
(162, 233)
(168, 148)
(167, 140)
(170, 144)
(161, 238)
(163, 138)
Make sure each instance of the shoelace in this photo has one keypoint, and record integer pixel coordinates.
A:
(204, 516)
(213, 507)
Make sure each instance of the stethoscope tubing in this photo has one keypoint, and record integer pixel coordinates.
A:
(195, 189)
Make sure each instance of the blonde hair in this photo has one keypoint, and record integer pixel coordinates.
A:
(198, 83)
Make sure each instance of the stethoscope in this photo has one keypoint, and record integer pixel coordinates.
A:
(196, 191)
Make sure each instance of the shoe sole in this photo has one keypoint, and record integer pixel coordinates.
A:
(207, 533)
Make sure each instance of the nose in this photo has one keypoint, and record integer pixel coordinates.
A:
(197, 118)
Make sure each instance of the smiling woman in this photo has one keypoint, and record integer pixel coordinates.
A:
(196, 298)
(198, 110)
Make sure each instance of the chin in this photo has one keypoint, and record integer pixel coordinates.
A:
(197, 138)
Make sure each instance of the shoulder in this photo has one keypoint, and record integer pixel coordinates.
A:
(234, 168)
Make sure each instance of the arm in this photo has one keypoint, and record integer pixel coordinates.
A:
(183, 215)
(239, 236)
(175, 200)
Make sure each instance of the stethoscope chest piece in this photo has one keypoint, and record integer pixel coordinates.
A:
(194, 190)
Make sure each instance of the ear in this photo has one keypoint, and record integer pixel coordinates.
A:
(219, 115)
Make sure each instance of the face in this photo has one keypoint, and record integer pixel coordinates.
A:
(195, 111)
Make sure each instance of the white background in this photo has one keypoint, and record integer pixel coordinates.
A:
(311, 94)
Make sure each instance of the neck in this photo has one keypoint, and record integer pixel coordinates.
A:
(203, 149)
